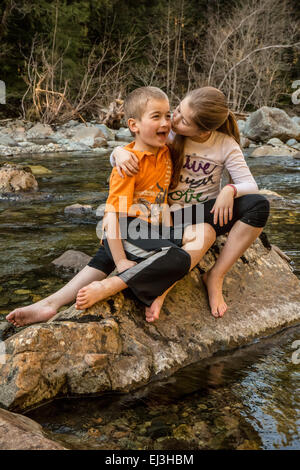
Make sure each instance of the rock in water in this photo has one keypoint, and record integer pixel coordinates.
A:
(110, 346)
(266, 123)
(21, 433)
(39, 170)
(78, 209)
(15, 178)
(72, 260)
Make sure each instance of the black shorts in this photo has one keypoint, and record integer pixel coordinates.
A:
(252, 209)
(160, 260)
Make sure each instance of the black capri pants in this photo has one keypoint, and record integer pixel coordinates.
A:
(160, 260)
(252, 209)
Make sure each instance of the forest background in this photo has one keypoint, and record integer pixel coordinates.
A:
(60, 59)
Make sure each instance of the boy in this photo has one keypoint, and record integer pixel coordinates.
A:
(148, 260)
(149, 119)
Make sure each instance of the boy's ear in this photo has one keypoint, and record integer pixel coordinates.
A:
(133, 126)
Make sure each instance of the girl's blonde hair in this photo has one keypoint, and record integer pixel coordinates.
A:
(210, 112)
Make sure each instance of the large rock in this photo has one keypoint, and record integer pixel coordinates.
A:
(87, 136)
(21, 433)
(291, 142)
(124, 135)
(7, 141)
(107, 132)
(267, 122)
(39, 131)
(241, 125)
(77, 147)
(15, 178)
(110, 347)
(296, 119)
(270, 151)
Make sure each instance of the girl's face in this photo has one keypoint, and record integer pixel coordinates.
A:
(183, 124)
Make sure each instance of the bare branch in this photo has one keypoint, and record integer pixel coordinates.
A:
(275, 46)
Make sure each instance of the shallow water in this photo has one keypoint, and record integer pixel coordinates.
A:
(248, 399)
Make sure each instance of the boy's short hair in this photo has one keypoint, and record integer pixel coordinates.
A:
(135, 103)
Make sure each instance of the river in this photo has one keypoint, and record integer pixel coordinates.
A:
(248, 399)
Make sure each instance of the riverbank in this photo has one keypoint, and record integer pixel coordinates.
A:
(270, 126)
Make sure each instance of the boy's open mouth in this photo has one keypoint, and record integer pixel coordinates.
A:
(162, 134)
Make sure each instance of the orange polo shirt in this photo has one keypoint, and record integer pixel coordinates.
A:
(142, 194)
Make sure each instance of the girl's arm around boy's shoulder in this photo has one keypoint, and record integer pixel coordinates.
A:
(124, 161)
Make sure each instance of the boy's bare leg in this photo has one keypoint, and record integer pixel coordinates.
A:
(240, 237)
(46, 308)
(99, 290)
(196, 246)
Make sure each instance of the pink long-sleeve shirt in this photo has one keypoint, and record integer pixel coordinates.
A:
(204, 163)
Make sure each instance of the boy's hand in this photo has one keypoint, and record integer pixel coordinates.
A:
(223, 207)
(126, 161)
(124, 264)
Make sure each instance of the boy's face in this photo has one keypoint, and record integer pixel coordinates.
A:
(152, 130)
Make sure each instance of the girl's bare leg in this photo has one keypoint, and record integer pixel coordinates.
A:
(240, 237)
(46, 308)
(196, 246)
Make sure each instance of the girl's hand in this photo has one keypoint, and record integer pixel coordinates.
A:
(126, 161)
(223, 207)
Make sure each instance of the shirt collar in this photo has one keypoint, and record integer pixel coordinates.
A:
(141, 153)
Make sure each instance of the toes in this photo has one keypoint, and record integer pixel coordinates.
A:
(81, 294)
(149, 316)
(82, 291)
(223, 310)
(78, 307)
(149, 320)
(215, 312)
(81, 303)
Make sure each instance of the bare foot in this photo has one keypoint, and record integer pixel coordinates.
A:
(214, 286)
(152, 312)
(98, 290)
(35, 313)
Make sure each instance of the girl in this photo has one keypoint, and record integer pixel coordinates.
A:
(205, 141)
